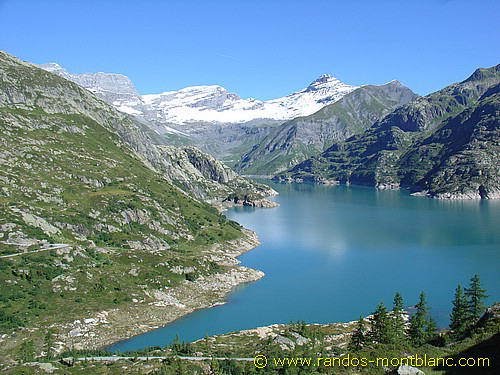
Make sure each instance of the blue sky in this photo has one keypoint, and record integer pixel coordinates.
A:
(258, 48)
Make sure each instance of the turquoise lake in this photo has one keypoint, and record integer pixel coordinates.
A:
(332, 253)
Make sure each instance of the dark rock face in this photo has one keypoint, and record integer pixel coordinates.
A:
(444, 145)
(461, 157)
(205, 177)
(249, 202)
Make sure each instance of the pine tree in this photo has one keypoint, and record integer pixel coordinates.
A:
(459, 318)
(398, 304)
(380, 325)
(475, 295)
(430, 329)
(418, 322)
(358, 338)
(398, 322)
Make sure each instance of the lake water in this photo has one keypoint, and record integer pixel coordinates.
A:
(332, 253)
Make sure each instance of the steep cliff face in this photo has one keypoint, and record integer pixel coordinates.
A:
(303, 137)
(28, 86)
(115, 89)
(442, 145)
(207, 178)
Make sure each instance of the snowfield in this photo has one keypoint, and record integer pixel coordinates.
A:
(207, 104)
(215, 104)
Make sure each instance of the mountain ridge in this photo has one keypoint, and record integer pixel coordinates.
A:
(300, 138)
(209, 103)
(379, 156)
(216, 120)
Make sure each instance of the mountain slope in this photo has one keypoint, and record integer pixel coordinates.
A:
(300, 138)
(76, 170)
(460, 159)
(219, 122)
(378, 156)
(94, 236)
(136, 133)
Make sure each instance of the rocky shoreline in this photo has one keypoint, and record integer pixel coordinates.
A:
(338, 336)
(104, 328)
(257, 203)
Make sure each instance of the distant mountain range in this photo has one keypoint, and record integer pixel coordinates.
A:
(294, 141)
(445, 145)
(330, 132)
(210, 103)
(217, 121)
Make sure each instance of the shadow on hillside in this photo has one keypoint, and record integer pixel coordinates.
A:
(487, 349)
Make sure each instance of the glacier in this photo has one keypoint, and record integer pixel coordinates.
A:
(205, 103)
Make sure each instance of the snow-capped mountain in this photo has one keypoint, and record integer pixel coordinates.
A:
(207, 104)
(216, 104)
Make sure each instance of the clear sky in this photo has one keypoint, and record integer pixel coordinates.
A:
(258, 48)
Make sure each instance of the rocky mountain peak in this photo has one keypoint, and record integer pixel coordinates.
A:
(325, 77)
(96, 82)
(323, 80)
(112, 82)
(484, 73)
(55, 68)
(394, 82)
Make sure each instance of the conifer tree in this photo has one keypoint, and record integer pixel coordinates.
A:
(380, 325)
(398, 304)
(459, 318)
(398, 322)
(419, 321)
(475, 295)
(430, 329)
(358, 338)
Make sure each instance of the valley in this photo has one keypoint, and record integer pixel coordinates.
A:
(123, 212)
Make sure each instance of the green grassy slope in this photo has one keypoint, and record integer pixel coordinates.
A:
(122, 231)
